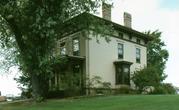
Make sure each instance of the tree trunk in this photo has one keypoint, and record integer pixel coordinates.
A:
(39, 86)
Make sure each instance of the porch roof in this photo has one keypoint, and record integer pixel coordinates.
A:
(122, 62)
(79, 58)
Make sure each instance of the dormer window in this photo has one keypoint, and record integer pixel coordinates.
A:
(76, 46)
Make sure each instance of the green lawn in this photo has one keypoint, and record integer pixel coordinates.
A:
(133, 102)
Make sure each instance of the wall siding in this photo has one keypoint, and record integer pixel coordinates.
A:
(103, 54)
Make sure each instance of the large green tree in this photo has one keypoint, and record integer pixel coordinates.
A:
(157, 55)
(31, 27)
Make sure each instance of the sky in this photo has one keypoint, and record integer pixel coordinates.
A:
(7, 83)
(152, 15)
(146, 15)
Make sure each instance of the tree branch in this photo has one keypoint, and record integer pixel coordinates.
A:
(18, 35)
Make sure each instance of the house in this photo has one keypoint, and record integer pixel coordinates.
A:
(92, 54)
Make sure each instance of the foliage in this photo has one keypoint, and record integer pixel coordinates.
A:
(157, 55)
(146, 77)
(56, 94)
(70, 84)
(31, 27)
(95, 85)
(125, 90)
(7, 58)
(94, 81)
(164, 88)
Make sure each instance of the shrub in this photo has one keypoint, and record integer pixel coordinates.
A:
(164, 88)
(26, 93)
(73, 91)
(169, 88)
(125, 90)
(146, 77)
(56, 94)
(97, 86)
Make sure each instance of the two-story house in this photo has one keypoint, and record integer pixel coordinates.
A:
(91, 55)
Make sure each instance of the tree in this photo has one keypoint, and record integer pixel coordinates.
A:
(147, 77)
(157, 55)
(31, 28)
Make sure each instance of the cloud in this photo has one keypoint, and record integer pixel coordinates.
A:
(150, 15)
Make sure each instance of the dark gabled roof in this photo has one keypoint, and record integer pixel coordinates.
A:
(84, 20)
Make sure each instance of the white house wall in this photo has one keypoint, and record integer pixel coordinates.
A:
(100, 57)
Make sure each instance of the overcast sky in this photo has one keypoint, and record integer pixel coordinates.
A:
(146, 15)
(153, 15)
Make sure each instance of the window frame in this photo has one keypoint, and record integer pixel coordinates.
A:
(138, 55)
(76, 53)
(121, 35)
(122, 77)
(63, 48)
(121, 49)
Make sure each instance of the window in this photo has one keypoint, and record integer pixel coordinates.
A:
(130, 37)
(120, 51)
(123, 74)
(138, 55)
(76, 47)
(62, 49)
(120, 35)
(138, 41)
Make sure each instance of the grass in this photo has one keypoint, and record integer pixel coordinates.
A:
(131, 102)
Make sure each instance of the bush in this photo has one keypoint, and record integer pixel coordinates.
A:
(169, 88)
(56, 94)
(97, 86)
(164, 89)
(146, 77)
(26, 93)
(159, 90)
(125, 90)
(73, 91)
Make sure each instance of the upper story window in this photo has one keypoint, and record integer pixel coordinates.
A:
(76, 46)
(120, 51)
(62, 49)
(120, 35)
(138, 41)
(138, 55)
(130, 37)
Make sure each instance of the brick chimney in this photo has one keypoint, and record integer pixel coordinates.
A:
(127, 20)
(106, 11)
